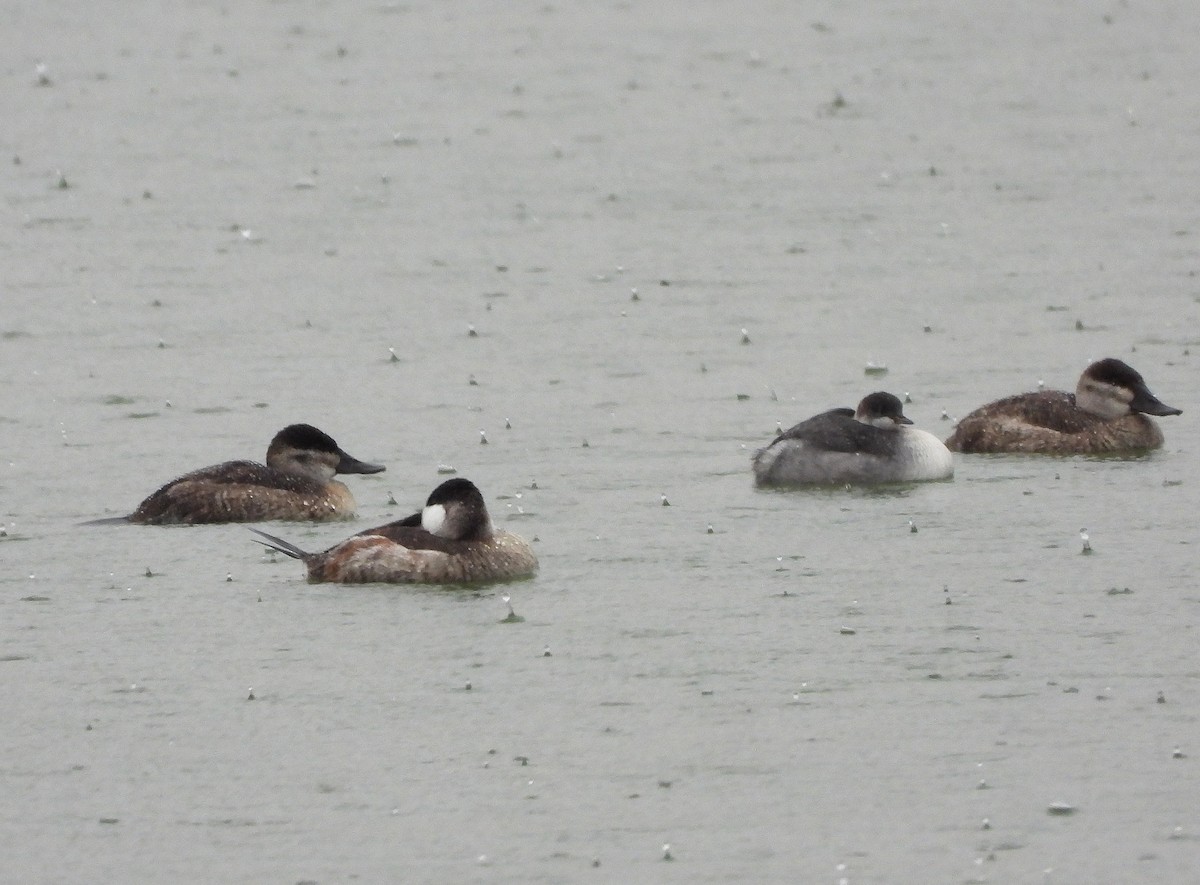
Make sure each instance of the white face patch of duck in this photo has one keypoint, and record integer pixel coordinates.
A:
(433, 518)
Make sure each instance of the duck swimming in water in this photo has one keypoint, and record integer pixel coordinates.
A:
(451, 541)
(296, 483)
(1105, 415)
(873, 444)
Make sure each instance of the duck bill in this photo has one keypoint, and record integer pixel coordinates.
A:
(904, 419)
(350, 464)
(1145, 401)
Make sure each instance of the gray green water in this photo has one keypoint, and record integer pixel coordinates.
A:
(225, 218)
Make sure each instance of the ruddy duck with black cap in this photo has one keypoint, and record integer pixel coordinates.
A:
(451, 541)
(1106, 415)
(296, 483)
(873, 444)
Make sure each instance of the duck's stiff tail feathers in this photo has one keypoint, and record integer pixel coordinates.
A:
(278, 544)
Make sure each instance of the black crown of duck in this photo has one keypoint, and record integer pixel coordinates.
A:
(1106, 415)
(296, 484)
(451, 541)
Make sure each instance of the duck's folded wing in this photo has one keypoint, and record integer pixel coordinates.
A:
(249, 473)
(1052, 409)
(411, 536)
(838, 431)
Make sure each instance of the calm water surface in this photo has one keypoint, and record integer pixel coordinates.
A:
(226, 218)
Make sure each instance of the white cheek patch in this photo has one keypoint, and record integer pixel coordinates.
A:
(433, 518)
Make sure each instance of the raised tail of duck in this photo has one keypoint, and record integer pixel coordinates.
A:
(278, 544)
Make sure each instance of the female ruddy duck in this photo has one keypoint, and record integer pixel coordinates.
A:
(1105, 415)
(871, 445)
(296, 483)
(451, 541)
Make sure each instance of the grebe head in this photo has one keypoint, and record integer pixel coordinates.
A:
(881, 410)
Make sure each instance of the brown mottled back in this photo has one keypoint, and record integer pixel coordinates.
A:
(1048, 422)
(364, 559)
(243, 491)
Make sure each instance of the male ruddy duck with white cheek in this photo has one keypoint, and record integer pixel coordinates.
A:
(451, 541)
(870, 445)
(1106, 415)
(296, 483)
